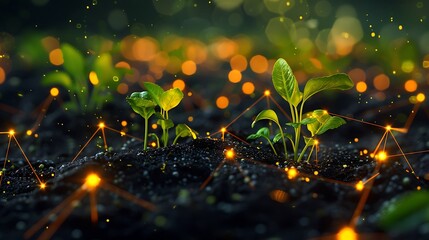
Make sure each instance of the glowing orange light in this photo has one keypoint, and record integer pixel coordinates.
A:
(56, 57)
(42, 186)
(292, 173)
(279, 196)
(234, 76)
(347, 233)
(381, 82)
(222, 102)
(93, 78)
(154, 126)
(123, 64)
(189, 67)
(259, 64)
(29, 132)
(11, 132)
(382, 156)
(101, 125)
(361, 87)
(229, 154)
(54, 92)
(92, 181)
(359, 186)
(248, 88)
(420, 97)
(2, 75)
(267, 93)
(180, 84)
(153, 144)
(316, 142)
(122, 88)
(144, 49)
(124, 123)
(223, 130)
(388, 128)
(238, 62)
(410, 85)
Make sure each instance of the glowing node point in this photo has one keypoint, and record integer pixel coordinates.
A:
(292, 173)
(92, 181)
(359, 186)
(388, 127)
(381, 156)
(346, 233)
(325, 111)
(29, 132)
(223, 130)
(267, 93)
(122, 133)
(11, 132)
(229, 154)
(101, 125)
(42, 186)
(54, 92)
(153, 144)
(316, 142)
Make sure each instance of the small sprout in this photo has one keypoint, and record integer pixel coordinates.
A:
(318, 122)
(263, 132)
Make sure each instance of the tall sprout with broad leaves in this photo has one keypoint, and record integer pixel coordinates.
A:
(155, 101)
(317, 121)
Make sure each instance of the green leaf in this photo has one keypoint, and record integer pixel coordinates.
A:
(74, 62)
(183, 130)
(277, 137)
(294, 125)
(154, 90)
(165, 123)
(285, 82)
(141, 103)
(58, 78)
(170, 99)
(309, 141)
(105, 70)
(309, 120)
(324, 122)
(262, 132)
(407, 213)
(267, 115)
(331, 123)
(338, 81)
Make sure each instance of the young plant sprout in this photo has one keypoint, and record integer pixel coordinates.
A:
(317, 121)
(145, 103)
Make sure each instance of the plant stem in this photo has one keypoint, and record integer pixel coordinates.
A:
(146, 123)
(302, 153)
(284, 142)
(271, 145)
(311, 152)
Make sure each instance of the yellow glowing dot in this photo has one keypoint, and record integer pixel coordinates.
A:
(124, 123)
(54, 92)
(223, 130)
(419, 188)
(410, 85)
(234, 76)
(229, 154)
(180, 84)
(361, 86)
(101, 125)
(365, 151)
(56, 57)
(11, 132)
(189, 67)
(42, 186)
(93, 78)
(238, 62)
(359, 186)
(373, 34)
(248, 88)
(292, 173)
(153, 144)
(222, 102)
(400, 27)
(189, 94)
(425, 65)
(382, 156)
(316, 142)
(29, 132)
(420, 97)
(122, 133)
(316, 173)
(107, 220)
(267, 93)
(347, 233)
(92, 181)
(407, 66)
(388, 128)
(356, 139)
(325, 111)
(154, 126)
(190, 119)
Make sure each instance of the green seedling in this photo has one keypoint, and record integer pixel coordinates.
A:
(317, 121)
(89, 81)
(155, 98)
(142, 103)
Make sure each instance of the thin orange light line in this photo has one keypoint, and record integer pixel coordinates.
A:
(145, 204)
(247, 109)
(86, 144)
(379, 142)
(209, 178)
(5, 158)
(42, 113)
(357, 120)
(281, 109)
(123, 133)
(244, 175)
(405, 157)
(26, 158)
(372, 177)
(412, 116)
(408, 153)
(93, 205)
(104, 138)
(235, 136)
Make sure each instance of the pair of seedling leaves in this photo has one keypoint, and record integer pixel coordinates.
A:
(317, 121)
(145, 103)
